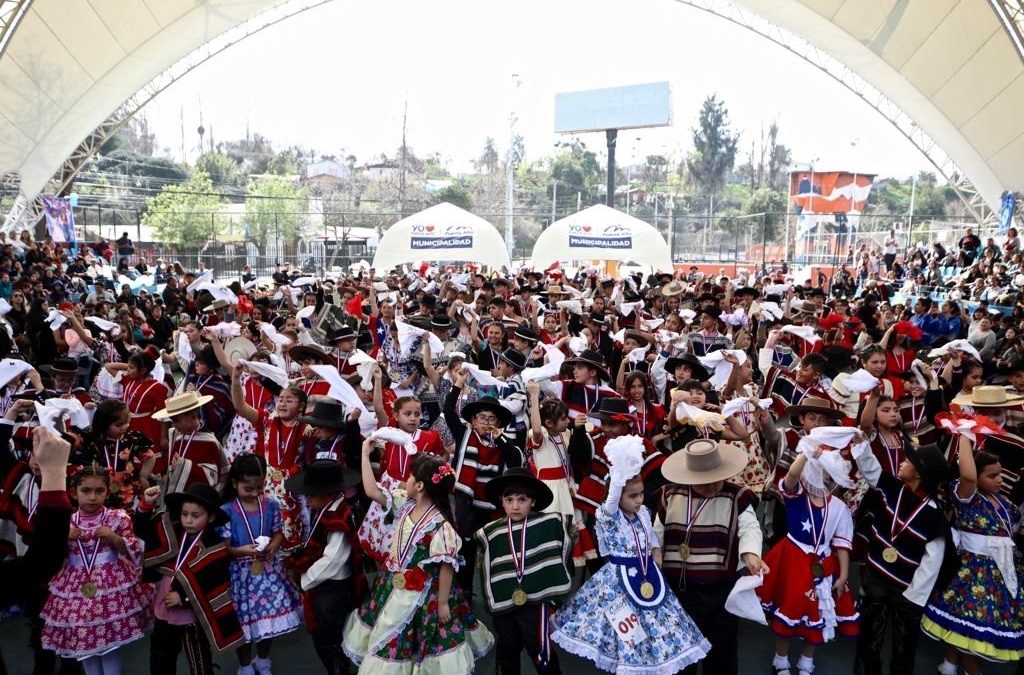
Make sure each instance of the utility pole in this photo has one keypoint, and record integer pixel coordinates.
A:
(510, 192)
(401, 162)
(554, 198)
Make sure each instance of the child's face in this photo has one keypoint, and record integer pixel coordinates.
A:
(972, 378)
(133, 372)
(517, 506)
(505, 370)
(582, 373)
(632, 496)
(813, 420)
(990, 479)
(907, 472)
(288, 406)
(698, 397)
(119, 426)
(887, 415)
(683, 373)
(485, 423)
(916, 390)
(91, 493)
(875, 364)
(409, 417)
(318, 501)
(637, 390)
(324, 433)
(194, 517)
(559, 425)
(413, 486)
(613, 429)
(550, 323)
(185, 423)
(249, 488)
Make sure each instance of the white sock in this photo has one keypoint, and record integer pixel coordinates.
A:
(246, 670)
(782, 663)
(112, 663)
(947, 668)
(805, 664)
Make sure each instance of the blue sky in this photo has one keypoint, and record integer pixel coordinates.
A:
(335, 79)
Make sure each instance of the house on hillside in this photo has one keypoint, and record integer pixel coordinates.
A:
(327, 174)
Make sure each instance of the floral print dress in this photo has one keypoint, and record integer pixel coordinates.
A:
(397, 630)
(982, 611)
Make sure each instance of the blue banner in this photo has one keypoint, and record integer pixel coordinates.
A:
(60, 219)
(440, 242)
(581, 241)
(1006, 212)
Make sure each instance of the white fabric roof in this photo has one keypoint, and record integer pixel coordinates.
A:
(71, 63)
(442, 233)
(601, 233)
(949, 64)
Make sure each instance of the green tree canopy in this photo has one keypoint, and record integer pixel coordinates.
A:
(186, 213)
(272, 207)
(774, 204)
(222, 169)
(714, 147)
(457, 193)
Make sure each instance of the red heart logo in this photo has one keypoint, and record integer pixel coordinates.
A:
(430, 228)
(586, 228)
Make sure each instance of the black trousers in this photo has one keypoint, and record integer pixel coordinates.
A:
(45, 660)
(330, 603)
(516, 630)
(705, 603)
(166, 643)
(883, 606)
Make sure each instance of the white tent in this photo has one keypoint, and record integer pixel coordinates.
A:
(442, 233)
(602, 233)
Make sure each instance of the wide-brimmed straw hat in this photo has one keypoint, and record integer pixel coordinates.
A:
(704, 461)
(673, 288)
(813, 404)
(519, 478)
(988, 396)
(180, 404)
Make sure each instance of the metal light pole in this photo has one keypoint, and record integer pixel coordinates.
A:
(510, 172)
(554, 198)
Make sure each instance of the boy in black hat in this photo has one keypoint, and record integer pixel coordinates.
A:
(708, 339)
(337, 435)
(524, 569)
(343, 345)
(905, 531)
(329, 565)
(190, 564)
(513, 394)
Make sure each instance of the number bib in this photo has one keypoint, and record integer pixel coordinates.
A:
(625, 623)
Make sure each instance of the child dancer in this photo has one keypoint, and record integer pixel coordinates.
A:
(808, 567)
(96, 602)
(629, 590)
(329, 565)
(524, 569)
(266, 599)
(192, 566)
(395, 464)
(979, 613)
(548, 446)
(415, 620)
(903, 525)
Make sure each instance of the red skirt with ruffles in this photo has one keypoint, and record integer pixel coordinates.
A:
(790, 600)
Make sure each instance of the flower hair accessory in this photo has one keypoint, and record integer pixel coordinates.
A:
(442, 471)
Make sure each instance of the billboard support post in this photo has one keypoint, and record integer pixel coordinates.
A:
(611, 135)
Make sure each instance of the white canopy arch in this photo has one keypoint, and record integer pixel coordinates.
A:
(602, 233)
(442, 233)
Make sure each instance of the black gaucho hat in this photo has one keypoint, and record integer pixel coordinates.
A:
(519, 478)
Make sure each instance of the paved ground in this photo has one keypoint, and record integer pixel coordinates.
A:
(293, 655)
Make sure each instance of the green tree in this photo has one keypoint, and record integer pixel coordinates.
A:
(714, 147)
(774, 204)
(272, 207)
(222, 169)
(185, 214)
(457, 193)
(488, 160)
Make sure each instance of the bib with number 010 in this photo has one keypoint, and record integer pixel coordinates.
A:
(625, 623)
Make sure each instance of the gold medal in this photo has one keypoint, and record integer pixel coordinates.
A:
(256, 567)
(276, 475)
(398, 581)
(519, 597)
(89, 589)
(890, 555)
(684, 552)
(589, 427)
(817, 569)
(647, 590)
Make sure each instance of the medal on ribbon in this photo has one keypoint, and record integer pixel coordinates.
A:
(519, 596)
(256, 566)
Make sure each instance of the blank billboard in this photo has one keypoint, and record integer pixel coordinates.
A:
(631, 107)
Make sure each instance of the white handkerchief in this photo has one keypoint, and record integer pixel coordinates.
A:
(11, 369)
(305, 312)
(268, 329)
(861, 381)
(340, 389)
(777, 289)
(396, 436)
(102, 324)
(407, 334)
(628, 308)
(262, 542)
(201, 279)
(226, 329)
(722, 368)
(958, 345)
(184, 347)
(620, 336)
(742, 404)
(637, 355)
(482, 377)
(625, 458)
(56, 319)
(303, 281)
(272, 373)
(736, 318)
(652, 324)
(743, 600)
(71, 408)
(771, 309)
(805, 333)
(577, 344)
(687, 315)
(572, 306)
(4, 307)
(219, 291)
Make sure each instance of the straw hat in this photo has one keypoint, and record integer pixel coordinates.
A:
(180, 404)
(988, 396)
(704, 461)
(813, 404)
(673, 288)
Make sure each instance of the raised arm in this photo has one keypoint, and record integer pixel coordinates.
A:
(867, 413)
(968, 483)
(370, 486)
(536, 426)
(238, 398)
(451, 415)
